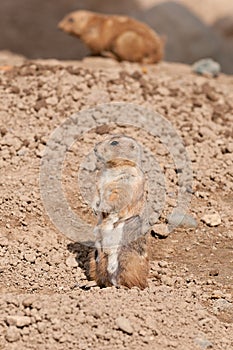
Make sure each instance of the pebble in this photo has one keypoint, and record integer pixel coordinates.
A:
(217, 294)
(206, 66)
(52, 101)
(18, 321)
(182, 219)
(4, 242)
(163, 91)
(12, 141)
(27, 302)
(212, 219)
(89, 165)
(214, 272)
(162, 264)
(168, 281)
(71, 261)
(12, 334)
(222, 305)
(41, 326)
(12, 300)
(124, 325)
(161, 230)
(203, 342)
(30, 257)
(97, 96)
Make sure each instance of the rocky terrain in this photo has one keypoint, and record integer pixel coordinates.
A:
(46, 299)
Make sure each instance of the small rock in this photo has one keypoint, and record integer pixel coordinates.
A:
(203, 342)
(168, 281)
(124, 325)
(4, 242)
(89, 165)
(182, 219)
(57, 335)
(210, 94)
(212, 219)
(173, 344)
(27, 302)
(30, 257)
(18, 321)
(41, 326)
(214, 272)
(162, 264)
(100, 333)
(12, 300)
(22, 152)
(37, 305)
(97, 96)
(3, 131)
(163, 91)
(217, 294)
(12, 141)
(102, 129)
(209, 282)
(222, 305)
(207, 66)
(203, 322)
(142, 332)
(12, 334)
(160, 230)
(71, 261)
(52, 100)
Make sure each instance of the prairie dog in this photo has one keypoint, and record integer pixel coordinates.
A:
(120, 188)
(120, 256)
(121, 37)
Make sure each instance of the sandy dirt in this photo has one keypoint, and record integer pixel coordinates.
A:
(46, 299)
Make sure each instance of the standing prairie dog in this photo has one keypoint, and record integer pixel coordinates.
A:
(120, 37)
(120, 256)
(121, 183)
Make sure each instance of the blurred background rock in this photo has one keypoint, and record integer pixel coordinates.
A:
(193, 29)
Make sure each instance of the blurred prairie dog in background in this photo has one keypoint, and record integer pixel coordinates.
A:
(119, 37)
(120, 256)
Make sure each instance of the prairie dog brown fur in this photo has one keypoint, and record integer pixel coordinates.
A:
(121, 37)
(120, 256)
(121, 183)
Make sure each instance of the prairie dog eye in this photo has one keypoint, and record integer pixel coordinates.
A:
(114, 143)
(70, 20)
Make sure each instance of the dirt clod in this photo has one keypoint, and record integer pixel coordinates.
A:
(212, 219)
(12, 334)
(124, 324)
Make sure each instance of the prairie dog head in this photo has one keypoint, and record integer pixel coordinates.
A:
(75, 22)
(118, 147)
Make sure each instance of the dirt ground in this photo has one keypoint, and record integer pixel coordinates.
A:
(46, 299)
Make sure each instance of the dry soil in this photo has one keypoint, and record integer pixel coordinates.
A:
(46, 300)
